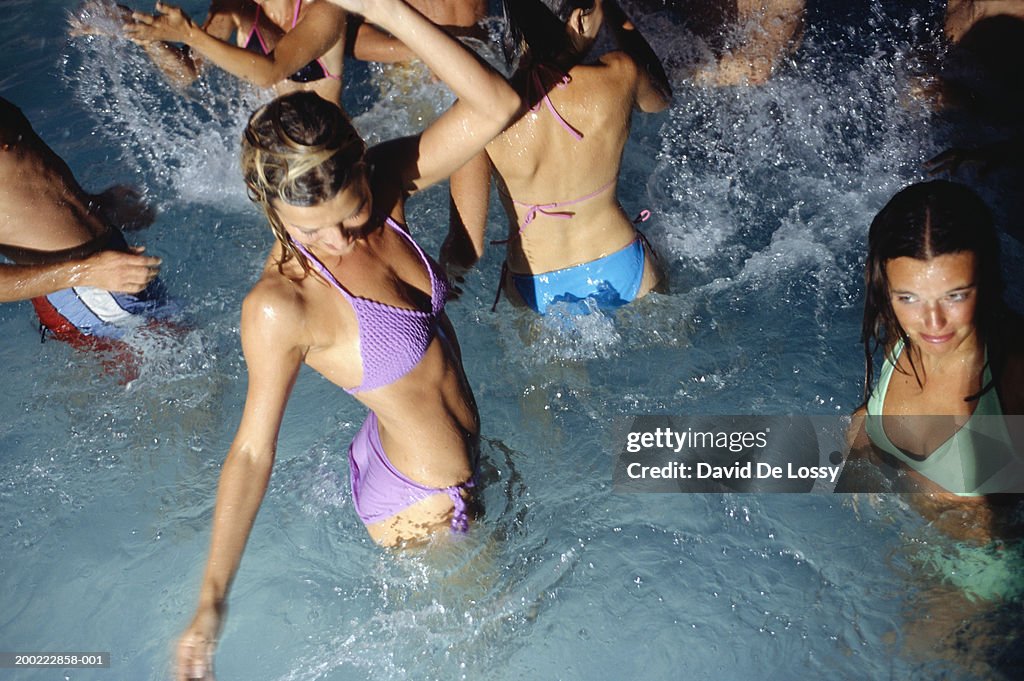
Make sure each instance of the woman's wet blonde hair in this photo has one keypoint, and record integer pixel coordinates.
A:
(299, 149)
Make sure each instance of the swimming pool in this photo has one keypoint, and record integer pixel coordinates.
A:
(761, 199)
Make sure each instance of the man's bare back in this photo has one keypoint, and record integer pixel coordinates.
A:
(55, 234)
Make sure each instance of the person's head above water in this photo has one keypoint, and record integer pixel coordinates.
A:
(932, 275)
(550, 28)
(299, 151)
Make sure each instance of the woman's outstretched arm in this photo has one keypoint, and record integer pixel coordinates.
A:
(321, 27)
(269, 320)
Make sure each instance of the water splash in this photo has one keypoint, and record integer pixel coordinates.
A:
(184, 143)
(408, 97)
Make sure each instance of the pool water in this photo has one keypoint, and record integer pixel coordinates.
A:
(760, 198)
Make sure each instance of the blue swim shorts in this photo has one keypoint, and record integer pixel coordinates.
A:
(83, 311)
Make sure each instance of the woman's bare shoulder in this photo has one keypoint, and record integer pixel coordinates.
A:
(612, 77)
(275, 303)
(619, 62)
(325, 10)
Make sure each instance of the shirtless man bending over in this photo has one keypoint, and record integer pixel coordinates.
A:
(61, 247)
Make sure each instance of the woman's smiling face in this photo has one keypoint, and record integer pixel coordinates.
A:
(935, 300)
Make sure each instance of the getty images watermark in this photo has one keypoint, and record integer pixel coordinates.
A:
(716, 441)
(730, 454)
(808, 454)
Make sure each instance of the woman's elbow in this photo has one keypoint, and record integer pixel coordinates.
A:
(657, 104)
(507, 107)
(247, 463)
(266, 78)
(255, 452)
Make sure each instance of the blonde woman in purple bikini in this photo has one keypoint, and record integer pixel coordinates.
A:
(348, 292)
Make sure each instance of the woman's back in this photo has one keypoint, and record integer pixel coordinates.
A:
(563, 156)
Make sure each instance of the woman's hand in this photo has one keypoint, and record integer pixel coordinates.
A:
(197, 644)
(454, 262)
(169, 24)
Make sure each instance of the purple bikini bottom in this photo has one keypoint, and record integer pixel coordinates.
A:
(380, 491)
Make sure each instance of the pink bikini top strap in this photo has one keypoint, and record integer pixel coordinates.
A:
(295, 15)
(255, 30)
(540, 90)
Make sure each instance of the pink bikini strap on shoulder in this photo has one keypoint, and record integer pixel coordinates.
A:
(537, 83)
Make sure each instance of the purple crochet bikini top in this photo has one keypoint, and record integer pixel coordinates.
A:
(392, 340)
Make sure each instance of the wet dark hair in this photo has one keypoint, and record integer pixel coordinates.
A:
(299, 149)
(13, 122)
(540, 25)
(923, 221)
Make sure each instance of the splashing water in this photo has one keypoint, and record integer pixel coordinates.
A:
(184, 143)
(760, 198)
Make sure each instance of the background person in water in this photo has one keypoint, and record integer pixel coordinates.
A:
(953, 365)
(461, 19)
(962, 15)
(557, 166)
(980, 82)
(347, 292)
(64, 243)
(746, 39)
(976, 71)
(286, 44)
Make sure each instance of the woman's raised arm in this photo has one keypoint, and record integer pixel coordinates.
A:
(486, 103)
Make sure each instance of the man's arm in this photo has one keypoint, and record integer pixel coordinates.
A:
(109, 270)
